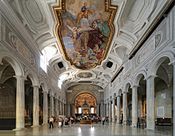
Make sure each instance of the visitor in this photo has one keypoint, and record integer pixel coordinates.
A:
(51, 120)
(103, 120)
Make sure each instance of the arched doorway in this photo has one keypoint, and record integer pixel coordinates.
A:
(164, 96)
(85, 105)
(7, 96)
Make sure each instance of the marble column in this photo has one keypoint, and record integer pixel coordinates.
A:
(97, 110)
(61, 108)
(68, 109)
(102, 109)
(35, 105)
(173, 99)
(58, 107)
(134, 106)
(113, 110)
(124, 108)
(150, 102)
(54, 102)
(110, 111)
(45, 107)
(107, 109)
(73, 110)
(51, 105)
(20, 102)
(118, 109)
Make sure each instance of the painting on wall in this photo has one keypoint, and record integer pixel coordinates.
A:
(85, 30)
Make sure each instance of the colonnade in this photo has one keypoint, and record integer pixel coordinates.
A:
(56, 105)
(150, 104)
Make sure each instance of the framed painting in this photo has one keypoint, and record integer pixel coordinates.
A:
(85, 30)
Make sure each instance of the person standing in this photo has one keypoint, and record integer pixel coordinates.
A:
(103, 120)
(51, 120)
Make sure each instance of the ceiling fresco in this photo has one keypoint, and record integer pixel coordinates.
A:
(85, 30)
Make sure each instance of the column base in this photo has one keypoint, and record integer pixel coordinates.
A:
(134, 125)
(118, 121)
(35, 126)
(150, 128)
(18, 129)
(44, 124)
(124, 123)
(113, 120)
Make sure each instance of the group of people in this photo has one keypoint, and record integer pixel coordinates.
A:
(60, 121)
(68, 121)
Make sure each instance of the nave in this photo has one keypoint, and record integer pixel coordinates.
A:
(87, 130)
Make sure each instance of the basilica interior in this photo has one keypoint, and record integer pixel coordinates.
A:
(87, 60)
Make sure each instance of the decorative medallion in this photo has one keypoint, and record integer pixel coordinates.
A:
(85, 30)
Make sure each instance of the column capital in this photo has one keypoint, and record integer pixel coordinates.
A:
(20, 77)
(36, 86)
(172, 63)
(134, 86)
(125, 92)
(151, 76)
(51, 94)
(45, 92)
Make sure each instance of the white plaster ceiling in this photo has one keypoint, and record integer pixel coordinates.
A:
(132, 21)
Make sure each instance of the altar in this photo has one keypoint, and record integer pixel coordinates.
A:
(85, 122)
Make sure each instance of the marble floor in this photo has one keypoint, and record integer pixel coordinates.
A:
(87, 130)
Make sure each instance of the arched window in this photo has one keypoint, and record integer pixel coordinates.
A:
(79, 110)
(47, 53)
(92, 110)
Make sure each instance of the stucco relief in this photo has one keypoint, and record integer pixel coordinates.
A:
(145, 52)
(127, 75)
(32, 12)
(17, 44)
(157, 39)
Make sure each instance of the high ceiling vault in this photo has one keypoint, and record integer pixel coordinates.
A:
(93, 38)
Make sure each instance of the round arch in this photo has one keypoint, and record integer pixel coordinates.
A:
(33, 78)
(119, 92)
(160, 59)
(127, 85)
(138, 77)
(16, 65)
(43, 84)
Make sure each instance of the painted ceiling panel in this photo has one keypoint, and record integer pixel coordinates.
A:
(85, 30)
